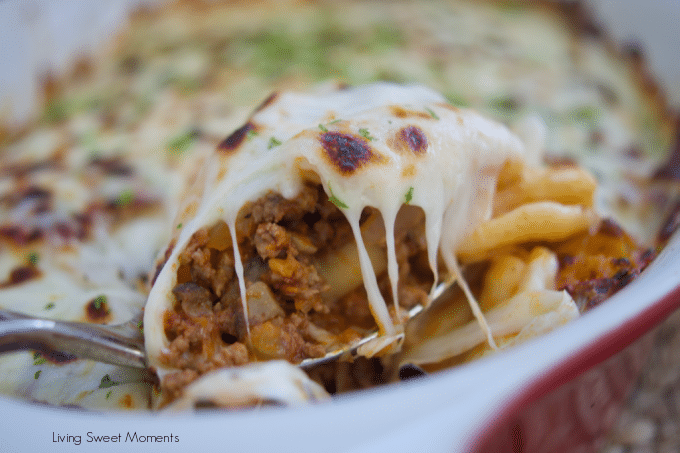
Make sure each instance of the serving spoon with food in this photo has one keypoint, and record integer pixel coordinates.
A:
(121, 344)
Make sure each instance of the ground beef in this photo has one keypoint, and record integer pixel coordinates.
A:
(174, 383)
(279, 243)
(272, 241)
(339, 377)
(206, 266)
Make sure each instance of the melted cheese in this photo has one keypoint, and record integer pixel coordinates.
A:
(274, 382)
(379, 145)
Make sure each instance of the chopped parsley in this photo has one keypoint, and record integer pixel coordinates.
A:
(432, 114)
(364, 133)
(335, 200)
(38, 359)
(273, 52)
(324, 128)
(586, 115)
(33, 258)
(252, 133)
(49, 306)
(125, 198)
(107, 382)
(504, 105)
(273, 142)
(37, 374)
(140, 326)
(57, 111)
(409, 195)
(99, 302)
(457, 100)
(108, 394)
(181, 143)
(179, 225)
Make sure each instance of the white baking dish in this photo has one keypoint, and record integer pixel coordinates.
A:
(561, 392)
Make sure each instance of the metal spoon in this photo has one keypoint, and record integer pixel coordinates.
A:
(121, 344)
(351, 351)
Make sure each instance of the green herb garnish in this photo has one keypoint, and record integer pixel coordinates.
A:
(125, 198)
(108, 394)
(324, 128)
(364, 133)
(586, 115)
(179, 225)
(335, 200)
(37, 374)
(33, 258)
(49, 306)
(273, 52)
(182, 142)
(457, 100)
(38, 359)
(273, 142)
(57, 111)
(432, 114)
(99, 302)
(409, 195)
(107, 382)
(504, 105)
(252, 133)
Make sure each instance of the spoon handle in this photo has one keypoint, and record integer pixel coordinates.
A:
(63, 341)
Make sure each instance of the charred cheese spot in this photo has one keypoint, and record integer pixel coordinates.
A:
(267, 102)
(97, 310)
(402, 113)
(126, 401)
(232, 142)
(53, 357)
(39, 198)
(414, 138)
(347, 152)
(20, 236)
(21, 274)
(610, 228)
(76, 227)
(19, 171)
(112, 165)
(670, 225)
(126, 205)
(166, 257)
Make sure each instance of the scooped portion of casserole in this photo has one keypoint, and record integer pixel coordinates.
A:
(330, 215)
